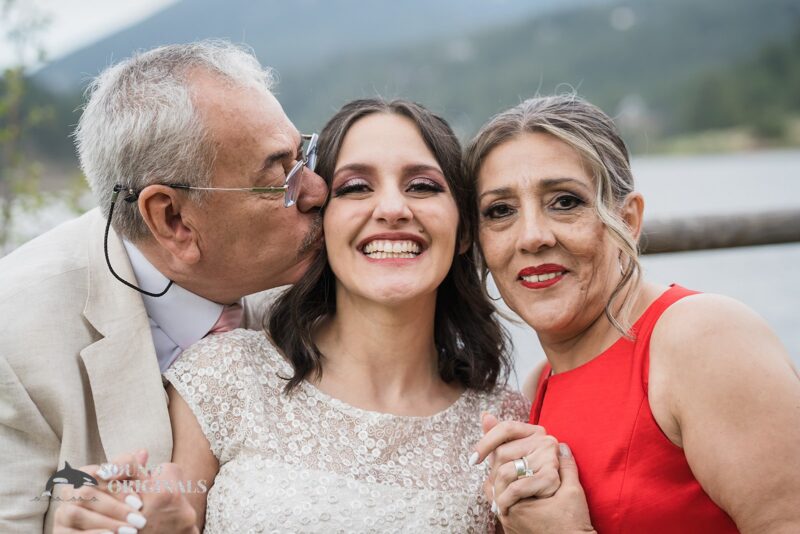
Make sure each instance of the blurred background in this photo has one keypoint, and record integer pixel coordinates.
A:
(707, 94)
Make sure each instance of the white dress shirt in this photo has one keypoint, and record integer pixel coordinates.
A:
(179, 318)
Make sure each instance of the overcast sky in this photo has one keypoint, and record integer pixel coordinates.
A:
(73, 24)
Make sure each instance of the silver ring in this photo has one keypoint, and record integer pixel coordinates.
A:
(521, 466)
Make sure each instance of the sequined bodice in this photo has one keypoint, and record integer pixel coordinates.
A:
(307, 462)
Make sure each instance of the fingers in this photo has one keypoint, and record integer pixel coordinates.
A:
(540, 450)
(488, 422)
(509, 487)
(170, 504)
(123, 508)
(502, 433)
(127, 466)
(568, 469)
(523, 488)
(488, 490)
(71, 517)
(544, 467)
(508, 452)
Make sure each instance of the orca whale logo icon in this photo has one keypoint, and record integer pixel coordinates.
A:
(68, 475)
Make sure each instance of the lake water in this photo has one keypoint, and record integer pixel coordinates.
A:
(765, 278)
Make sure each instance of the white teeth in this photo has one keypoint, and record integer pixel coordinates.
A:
(393, 255)
(391, 247)
(541, 277)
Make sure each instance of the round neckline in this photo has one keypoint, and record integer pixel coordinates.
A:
(584, 366)
(355, 411)
(621, 339)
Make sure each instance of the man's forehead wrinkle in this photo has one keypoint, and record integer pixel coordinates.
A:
(248, 125)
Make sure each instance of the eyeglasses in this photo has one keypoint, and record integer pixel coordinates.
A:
(290, 188)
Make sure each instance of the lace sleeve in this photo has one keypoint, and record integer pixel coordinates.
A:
(213, 377)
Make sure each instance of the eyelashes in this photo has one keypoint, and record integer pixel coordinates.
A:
(350, 188)
(563, 204)
(425, 185)
(497, 211)
(567, 202)
(420, 185)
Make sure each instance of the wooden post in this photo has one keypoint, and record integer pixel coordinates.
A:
(720, 231)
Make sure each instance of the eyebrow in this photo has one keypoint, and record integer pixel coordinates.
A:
(547, 183)
(500, 192)
(552, 182)
(408, 169)
(357, 167)
(422, 167)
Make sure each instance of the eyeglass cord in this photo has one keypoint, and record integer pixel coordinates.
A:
(117, 190)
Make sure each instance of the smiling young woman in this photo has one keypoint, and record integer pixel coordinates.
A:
(357, 409)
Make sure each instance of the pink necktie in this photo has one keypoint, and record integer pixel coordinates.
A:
(229, 319)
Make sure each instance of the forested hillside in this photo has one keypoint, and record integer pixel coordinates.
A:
(662, 68)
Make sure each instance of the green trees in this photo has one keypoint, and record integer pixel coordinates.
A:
(762, 93)
(19, 173)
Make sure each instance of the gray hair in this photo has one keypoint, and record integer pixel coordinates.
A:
(140, 125)
(593, 135)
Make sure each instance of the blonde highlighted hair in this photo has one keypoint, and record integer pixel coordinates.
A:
(593, 135)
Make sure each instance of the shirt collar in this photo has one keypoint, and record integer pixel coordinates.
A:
(182, 315)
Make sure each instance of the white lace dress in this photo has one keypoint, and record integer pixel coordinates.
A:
(310, 463)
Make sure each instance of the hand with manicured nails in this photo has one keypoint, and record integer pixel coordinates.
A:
(547, 506)
(505, 442)
(96, 510)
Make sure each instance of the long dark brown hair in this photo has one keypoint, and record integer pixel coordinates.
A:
(472, 346)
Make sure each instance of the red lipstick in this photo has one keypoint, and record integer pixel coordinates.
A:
(545, 268)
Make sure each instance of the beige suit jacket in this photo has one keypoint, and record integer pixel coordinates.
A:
(79, 378)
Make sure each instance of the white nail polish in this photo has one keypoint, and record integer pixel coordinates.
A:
(127, 530)
(135, 519)
(107, 471)
(134, 502)
(494, 508)
(473, 459)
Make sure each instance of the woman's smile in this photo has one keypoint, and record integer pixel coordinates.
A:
(541, 237)
(542, 276)
(384, 247)
(392, 210)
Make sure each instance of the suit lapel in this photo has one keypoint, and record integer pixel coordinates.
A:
(125, 381)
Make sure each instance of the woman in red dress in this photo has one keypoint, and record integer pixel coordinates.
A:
(679, 410)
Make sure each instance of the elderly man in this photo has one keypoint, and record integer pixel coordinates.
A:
(210, 195)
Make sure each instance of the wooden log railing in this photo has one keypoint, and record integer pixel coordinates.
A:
(720, 231)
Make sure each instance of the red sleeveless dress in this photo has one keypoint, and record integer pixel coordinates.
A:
(636, 480)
